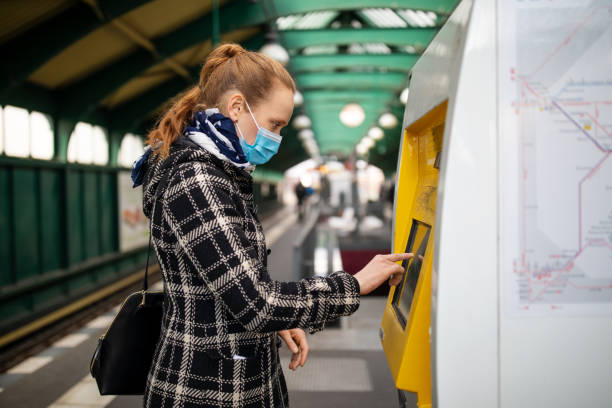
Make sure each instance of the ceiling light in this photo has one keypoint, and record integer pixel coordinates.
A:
(352, 115)
(387, 120)
(305, 134)
(310, 144)
(376, 133)
(404, 96)
(367, 142)
(361, 149)
(301, 122)
(273, 49)
(298, 98)
(276, 52)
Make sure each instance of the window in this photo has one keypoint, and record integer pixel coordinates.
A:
(16, 131)
(88, 145)
(100, 146)
(41, 131)
(130, 150)
(24, 134)
(1, 130)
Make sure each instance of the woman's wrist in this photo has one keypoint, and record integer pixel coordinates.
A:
(358, 283)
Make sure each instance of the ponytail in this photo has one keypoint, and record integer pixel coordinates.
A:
(228, 67)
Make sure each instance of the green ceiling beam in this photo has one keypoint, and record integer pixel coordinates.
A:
(31, 97)
(333, 136)
(136, 111)
(325, 104)
(347, 95)
(26, 53)
(87, 93)
(417, 37)
(325, 100)
(140, 108)
(351, 80)
(284, 7)
(333, 109)
(392, 62)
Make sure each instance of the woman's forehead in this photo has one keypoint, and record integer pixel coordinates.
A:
(279, 103)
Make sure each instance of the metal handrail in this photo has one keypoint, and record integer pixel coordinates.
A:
(303, 247)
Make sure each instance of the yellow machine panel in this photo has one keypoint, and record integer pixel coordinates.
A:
(405, 332)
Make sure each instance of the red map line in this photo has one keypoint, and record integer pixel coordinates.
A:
(585, 178)
(598, 124)
(565, 41)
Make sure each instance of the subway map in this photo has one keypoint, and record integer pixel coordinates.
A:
(555, 70)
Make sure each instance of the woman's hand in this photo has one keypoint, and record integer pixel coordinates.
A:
(378, 270)
(296, 342)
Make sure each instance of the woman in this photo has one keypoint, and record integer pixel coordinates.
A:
(222, 311)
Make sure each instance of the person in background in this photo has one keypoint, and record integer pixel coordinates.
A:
(300, 194)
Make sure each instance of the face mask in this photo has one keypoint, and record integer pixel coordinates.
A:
(265, 146)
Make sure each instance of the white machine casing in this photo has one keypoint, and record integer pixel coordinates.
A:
(482, 356)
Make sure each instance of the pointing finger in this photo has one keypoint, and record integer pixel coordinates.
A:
(399, 257)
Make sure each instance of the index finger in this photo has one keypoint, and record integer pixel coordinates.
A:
(399, 257)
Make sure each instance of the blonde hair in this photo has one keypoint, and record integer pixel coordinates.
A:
(228, 67)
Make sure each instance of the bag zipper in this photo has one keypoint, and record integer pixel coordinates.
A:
(123, 304)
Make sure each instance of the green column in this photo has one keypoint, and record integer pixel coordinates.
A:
(63, 130)
(114, 143)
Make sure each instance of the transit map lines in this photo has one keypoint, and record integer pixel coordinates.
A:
(557, 142)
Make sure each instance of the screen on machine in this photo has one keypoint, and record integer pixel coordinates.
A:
(403, 295)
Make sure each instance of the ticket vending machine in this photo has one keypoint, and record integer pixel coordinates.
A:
(405, 327)
(504, 195)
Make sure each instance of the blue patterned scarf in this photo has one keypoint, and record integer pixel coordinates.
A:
(216, 133)
(213, 132)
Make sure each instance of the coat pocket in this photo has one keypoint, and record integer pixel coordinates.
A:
(247, 372)
(213, 371)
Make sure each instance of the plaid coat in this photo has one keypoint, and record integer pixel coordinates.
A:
(221, 310)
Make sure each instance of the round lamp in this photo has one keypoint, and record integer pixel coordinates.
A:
(298, 98)
(404, 96)
(376, 133)
(306, 134)
(387, 120)
(276, 51)
(361, 149)
(367, 142)
(301, 122)
(352, 115)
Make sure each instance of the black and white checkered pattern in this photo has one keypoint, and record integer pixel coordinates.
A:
(220, 301)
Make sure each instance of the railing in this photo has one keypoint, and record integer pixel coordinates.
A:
(304, 245)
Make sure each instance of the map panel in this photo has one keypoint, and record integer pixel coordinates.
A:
(555, 104)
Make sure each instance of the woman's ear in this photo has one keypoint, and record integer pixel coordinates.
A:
(234, 106)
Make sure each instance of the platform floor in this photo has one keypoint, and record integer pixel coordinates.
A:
(346, 366)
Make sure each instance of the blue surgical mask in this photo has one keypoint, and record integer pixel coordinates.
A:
(265, 146)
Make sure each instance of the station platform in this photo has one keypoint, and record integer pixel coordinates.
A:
(346, 366)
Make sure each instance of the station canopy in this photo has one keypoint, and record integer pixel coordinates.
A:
(119, 63)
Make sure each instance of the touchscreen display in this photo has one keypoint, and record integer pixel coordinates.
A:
(404, 293)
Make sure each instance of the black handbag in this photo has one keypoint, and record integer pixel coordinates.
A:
(123, 356)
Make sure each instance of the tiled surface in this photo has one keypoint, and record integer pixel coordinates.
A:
(329, 374)
(83, 394)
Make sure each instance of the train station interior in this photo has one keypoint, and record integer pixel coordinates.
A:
(474, 134)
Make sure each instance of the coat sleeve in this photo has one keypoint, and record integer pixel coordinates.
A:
(200, 211)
